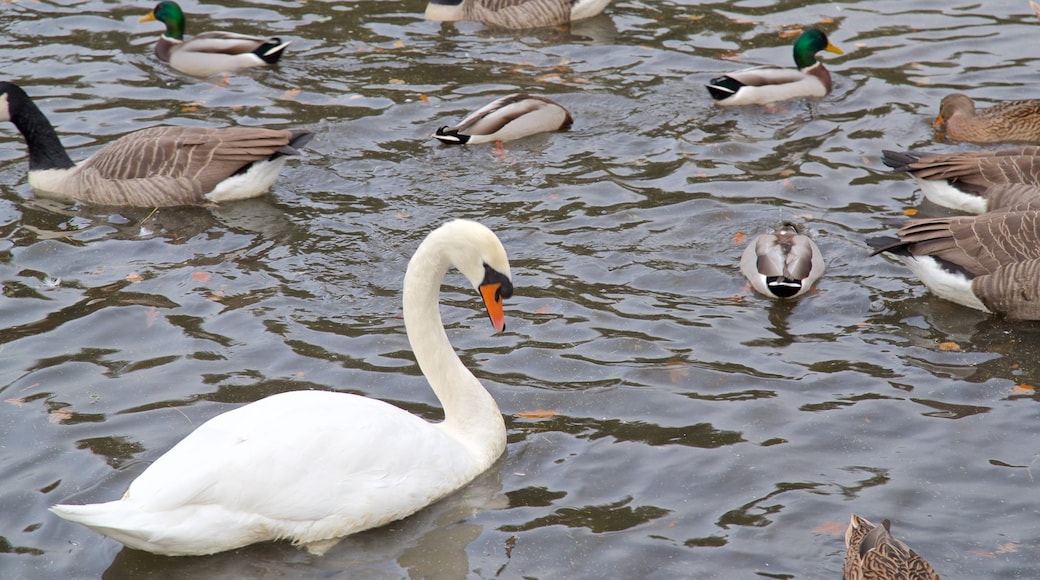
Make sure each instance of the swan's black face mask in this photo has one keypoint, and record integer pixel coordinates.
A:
(493, 289)
(493, 276)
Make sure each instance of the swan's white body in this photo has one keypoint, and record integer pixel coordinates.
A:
(312, 466)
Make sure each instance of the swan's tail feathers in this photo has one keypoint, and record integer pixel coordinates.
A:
(120, 520)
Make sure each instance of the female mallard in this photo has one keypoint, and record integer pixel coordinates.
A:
(506, 119)
(209, 53)
(1006, 122)
(783, 263)
(873, 554)
(989, 262)
(973, 181)
(161, 166)
(761, 85)
(314, 466)
(514, 14)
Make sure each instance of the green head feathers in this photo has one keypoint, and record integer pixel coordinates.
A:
(808, 44)
(170, 14)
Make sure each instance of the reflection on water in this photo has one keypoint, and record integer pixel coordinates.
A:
(674, 424)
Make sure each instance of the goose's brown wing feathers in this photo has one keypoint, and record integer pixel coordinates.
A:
(174, 165)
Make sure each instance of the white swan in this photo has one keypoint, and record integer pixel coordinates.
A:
(311, 466)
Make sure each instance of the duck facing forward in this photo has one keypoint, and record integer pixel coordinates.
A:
(873, 554)
(209, 53)
(508, 118)
(514, 14)
(1006, 122)
(314, 466)
(782, 264)
(762, 85)
(161, 166)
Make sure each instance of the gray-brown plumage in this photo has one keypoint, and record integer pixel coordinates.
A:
(783, 263)
(514, 14)
(989, 262)
(973, 181)
(507, 118)
(161, 166)
(873, 554)
(1006, 122)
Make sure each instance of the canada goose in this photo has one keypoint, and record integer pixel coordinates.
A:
(989, 262)
(209, 53)
(1006, 122)
(161, 166)
(508, 118)
(972, 181)
(873, 554)
(514, 14)
(782, 264)
(312, 466)
(762, 85)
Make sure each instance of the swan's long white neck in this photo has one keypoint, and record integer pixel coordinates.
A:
(470, 413)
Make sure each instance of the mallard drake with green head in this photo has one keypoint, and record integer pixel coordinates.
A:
(514, 14)
(161, 166)
(873, 554)
(783, 263)
(209, 53)
(972, 181)
(1006, 122)
(762, 85)
(989, 262)
(508, 118)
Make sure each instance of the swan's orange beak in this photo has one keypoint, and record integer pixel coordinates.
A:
(147, 17)
(492, 295)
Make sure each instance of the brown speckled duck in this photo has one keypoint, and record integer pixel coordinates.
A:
(1006, 122)
(873, 554)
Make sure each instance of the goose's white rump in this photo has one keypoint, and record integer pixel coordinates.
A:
(311, 466)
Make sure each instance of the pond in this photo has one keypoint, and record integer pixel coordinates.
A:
(663, 421)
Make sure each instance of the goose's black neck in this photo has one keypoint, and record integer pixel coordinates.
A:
(45, 149)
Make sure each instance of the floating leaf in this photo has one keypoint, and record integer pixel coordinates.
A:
(1007, 548)
(910, 211)
(949, 346)
(291, 94)
(1023, 390)
(59, 415)
(537, 414)
(200, 277)
(739, 239)
(831, 528)
(134, 277)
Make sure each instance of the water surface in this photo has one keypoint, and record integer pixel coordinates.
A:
(696, 430)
